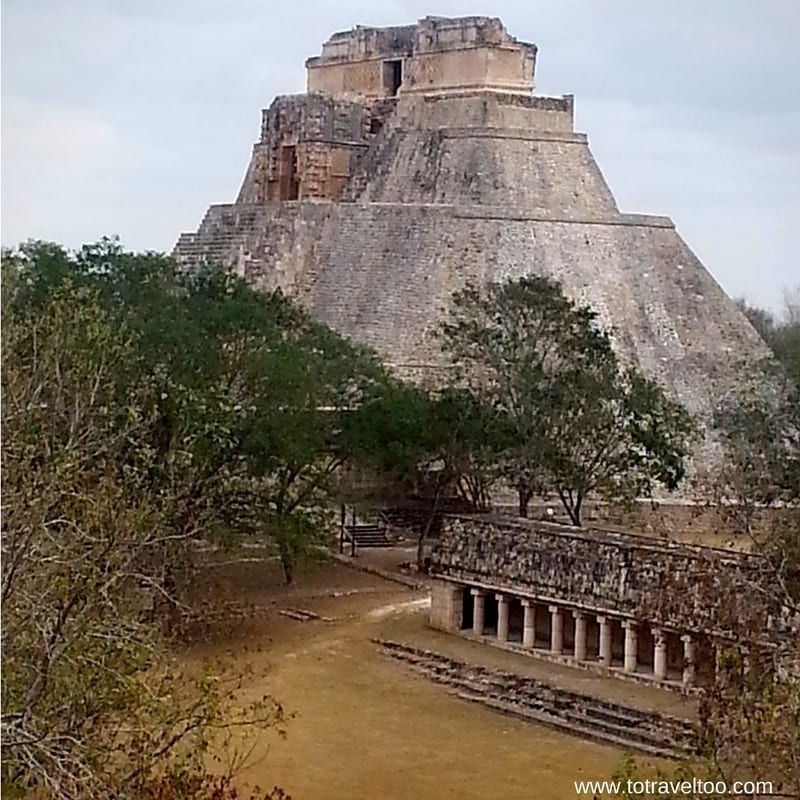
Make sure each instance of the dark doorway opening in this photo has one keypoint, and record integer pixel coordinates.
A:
(289, 184)
(490, 619)
(467, 609)
(392, 76)
(516, 620)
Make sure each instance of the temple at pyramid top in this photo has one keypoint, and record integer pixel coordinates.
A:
(437, 54)
(420, 160)
(368, 82)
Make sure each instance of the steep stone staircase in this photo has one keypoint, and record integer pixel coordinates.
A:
(216, 242)
(226, 233)
(535, 701)
(354, 537)
(369, 535)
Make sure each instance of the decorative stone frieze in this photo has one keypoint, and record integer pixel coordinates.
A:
(679, 587)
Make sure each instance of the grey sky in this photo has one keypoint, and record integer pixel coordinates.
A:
(131, 116)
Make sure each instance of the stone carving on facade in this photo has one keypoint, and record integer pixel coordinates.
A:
(641, 607)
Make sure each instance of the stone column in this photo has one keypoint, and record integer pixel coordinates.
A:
(659, 654)
(478, 611)
(631, 657)
(688, 659)
(529, 623)
(502, 618)
(605, 640)
(556, 630)
(580, 635)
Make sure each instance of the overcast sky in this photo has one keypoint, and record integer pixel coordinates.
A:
(130, 117)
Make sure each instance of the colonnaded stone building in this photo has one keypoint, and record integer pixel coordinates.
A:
(421, 158)
(630, 606)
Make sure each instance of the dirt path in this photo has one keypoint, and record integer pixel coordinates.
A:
(365, 726)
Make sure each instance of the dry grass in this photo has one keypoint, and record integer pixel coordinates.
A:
(366, 727)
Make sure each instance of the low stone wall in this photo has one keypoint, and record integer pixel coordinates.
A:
(682, 587)
(683, 521)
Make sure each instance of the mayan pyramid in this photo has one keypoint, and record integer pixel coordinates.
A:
(421, 158)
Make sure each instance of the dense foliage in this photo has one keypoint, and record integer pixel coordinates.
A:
(428, 446)
(93, 705)
(246, 395)
(580, 424)
(144, 408)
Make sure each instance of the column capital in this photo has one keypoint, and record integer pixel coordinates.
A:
(687, 638)
(527, 602)
(659, 635)
(500, 597)
(555, 609)
(630, 624)
(579, 614)
(602, 619)
(478, 592)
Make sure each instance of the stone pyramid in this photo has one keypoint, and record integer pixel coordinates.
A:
(421, 158)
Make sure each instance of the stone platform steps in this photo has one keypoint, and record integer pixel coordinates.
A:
(369, 536)
(535, 701)
(221, 235)
(218, 248)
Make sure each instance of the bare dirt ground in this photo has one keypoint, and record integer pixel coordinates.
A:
(365, 726)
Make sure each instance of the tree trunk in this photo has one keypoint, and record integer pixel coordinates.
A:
(287, 564)
(421, 549)
(426, 530)
(572, 504)
(524, 499)
(572, 507)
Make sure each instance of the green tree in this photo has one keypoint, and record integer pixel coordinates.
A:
(409, 442)
(92, 704)
(305, 393)
(248, 393)
(580, 423)
(392, 445)
(614, 434)
(782, 332)
(473, 436)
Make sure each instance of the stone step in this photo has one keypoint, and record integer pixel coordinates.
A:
(569, 726)
(368, 536)
(536, 705)
(526, 697)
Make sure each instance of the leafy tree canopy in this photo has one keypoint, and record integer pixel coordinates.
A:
(781, 332)
(247, 393)
(92, 704)
(581, 424)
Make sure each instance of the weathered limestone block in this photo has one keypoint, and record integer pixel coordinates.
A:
(680, 587)
(446, 606)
